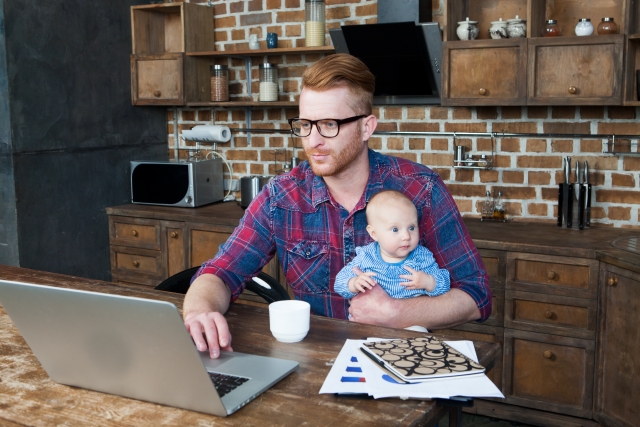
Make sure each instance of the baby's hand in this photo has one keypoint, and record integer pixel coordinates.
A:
(362, 282)
(418, 280)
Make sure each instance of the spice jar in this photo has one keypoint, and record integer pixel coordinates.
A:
(517, 28)
(607, 26)
(268, 82)
(498, 29)
(551, 28)
(584, 27)
(467, 30)
(219, 83)
(314, 22)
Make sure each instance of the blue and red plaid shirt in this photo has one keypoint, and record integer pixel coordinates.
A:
(296, 217)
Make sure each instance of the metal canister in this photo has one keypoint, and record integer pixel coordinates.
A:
(250, 186)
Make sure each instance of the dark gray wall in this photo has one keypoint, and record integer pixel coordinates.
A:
(73, 128)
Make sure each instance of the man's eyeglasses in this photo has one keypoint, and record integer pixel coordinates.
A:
(329, 128)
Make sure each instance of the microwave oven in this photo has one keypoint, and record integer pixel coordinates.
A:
(182, 183)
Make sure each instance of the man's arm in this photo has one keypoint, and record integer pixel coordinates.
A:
(203, 311)
(376, 307)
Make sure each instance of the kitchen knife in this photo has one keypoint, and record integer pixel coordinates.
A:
(576, 207)
(567, 193)
(587, 199)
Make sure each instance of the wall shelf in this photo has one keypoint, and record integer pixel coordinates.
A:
(230, 104)
(263, 52)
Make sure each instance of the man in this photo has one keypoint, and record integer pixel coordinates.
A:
(314, 217)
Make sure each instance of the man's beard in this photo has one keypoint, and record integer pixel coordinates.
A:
(342, 160)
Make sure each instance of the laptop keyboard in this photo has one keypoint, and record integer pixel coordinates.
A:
(224, 383)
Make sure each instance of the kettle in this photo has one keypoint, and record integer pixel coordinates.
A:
(250, 186)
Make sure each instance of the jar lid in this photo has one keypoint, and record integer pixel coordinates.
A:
(314, 1)
(218, 67)
(551, 21)
(516, 20)
(607, 19)
(265, 65)
(468, 22)
(584, 20)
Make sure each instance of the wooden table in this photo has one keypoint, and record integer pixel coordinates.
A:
(29, 397)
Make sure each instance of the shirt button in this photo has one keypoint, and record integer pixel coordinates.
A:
(308, 253)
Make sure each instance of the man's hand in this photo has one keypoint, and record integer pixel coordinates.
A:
(204, 304)
(209, 330)
(375, 307)
(418, 280)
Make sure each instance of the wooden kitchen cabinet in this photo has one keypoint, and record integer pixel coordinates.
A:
(617, 394)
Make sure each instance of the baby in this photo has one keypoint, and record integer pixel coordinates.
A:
(394, 260)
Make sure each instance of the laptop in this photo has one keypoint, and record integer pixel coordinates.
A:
(133, 347)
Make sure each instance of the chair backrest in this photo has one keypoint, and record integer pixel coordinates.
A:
(263, 285)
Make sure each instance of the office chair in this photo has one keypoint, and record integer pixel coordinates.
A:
(263, 285)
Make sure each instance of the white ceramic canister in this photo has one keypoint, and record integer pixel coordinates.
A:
(584, 27)
(498, 29)
(467, 30)
(517, 28)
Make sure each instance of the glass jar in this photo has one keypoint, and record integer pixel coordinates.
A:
(314, 22)
(551, 28)
(268, 82)
(584, 27)
(219, 83)
(607, 26)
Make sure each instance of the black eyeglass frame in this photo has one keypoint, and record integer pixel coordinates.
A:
(340, 122)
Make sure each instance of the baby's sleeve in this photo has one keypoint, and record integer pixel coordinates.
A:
(341, 284)
(440, 275)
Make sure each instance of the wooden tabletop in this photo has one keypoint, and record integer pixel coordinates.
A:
(29, 397)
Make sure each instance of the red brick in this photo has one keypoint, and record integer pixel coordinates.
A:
(510, 145)
(439, 144)
(464, 175)
(618, 196)
(390, 127)
(438, 113)
(409, 156)
(204, 115)
(395, 143)
(239, 115)
(419, 127)
(489, 175)
(445, 174)
(567, 127)
(534, 112)
(631, 164)
(235, 7)
(415, 113)
(538, 209)
(619, 128)
(433, 159)
(391, 113)
(592, 112)
(341, 12)
(622, 113)
(465, 127)
(248, 20)
(461, 113)
(536, 146)
(464, 190)
(513, 177)
(375, 143)
(293, 4)
(511, 113)
(188, 115)
(513, 209)
(563, 112)
(237, 35)
(590, 146)
(515, 192)
(484, 144)
(241, 155)
(562, 146)
(220, 9)
(597, 212)
(291, 86)
(293, 31)
(464, 206)
(501, 161)
(539, 178)
(620, 180)
(226, 22)
(515, 127)
(539, 162)
(487, 113)
(367, 10)
(619, 213)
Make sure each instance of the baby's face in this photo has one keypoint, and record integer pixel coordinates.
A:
(395, 228)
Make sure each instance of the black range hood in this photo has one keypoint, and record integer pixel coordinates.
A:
(404, 57)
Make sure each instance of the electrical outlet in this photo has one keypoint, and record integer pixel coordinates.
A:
(235, 185)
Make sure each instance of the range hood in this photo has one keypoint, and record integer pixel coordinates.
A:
(404, 57)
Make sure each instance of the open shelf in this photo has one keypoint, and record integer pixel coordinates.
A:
(229, 104)
(263, 52)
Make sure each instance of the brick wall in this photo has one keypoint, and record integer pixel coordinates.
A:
(526, 171)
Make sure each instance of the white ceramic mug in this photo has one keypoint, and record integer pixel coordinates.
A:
(289, 320)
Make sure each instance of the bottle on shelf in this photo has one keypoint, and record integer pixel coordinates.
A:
(268, 82)
(487, 206)
(314, 25)
(498, 209)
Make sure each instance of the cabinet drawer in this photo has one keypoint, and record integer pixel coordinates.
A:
(135, 232)
(549, 372)
(566, 276)
(157, 79)
(575, 70)
(552, 314)
(484, 72)
(134, 262)
(495, 263)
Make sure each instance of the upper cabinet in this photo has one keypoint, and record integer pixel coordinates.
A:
(536, 70)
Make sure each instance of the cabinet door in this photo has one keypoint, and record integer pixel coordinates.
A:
(617, 390)
(495, 265)
(575, 70)
(157, 79)
(174, 239)
(484, 72)
(549, 372)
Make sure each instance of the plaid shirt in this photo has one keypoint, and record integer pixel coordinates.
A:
(314, 237)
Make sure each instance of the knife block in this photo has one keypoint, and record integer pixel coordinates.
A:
(574, 206)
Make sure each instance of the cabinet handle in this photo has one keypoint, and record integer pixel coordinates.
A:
(573, 90)
(157, 94)
(134, 233)
(612, 281)
(482, 91)
(136, 263)
(551, 275)
(548, 314)
(547, 354)
(174, 234)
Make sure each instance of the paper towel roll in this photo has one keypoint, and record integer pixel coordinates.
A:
(208, 133)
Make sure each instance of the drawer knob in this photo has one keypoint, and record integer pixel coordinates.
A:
(612, 281)
(482, 91)
(548, 314)
(157, 94)
(551, 275)
(136, 263)
(573, 90)
(547, 354)
(134, 233)
(174, 234)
